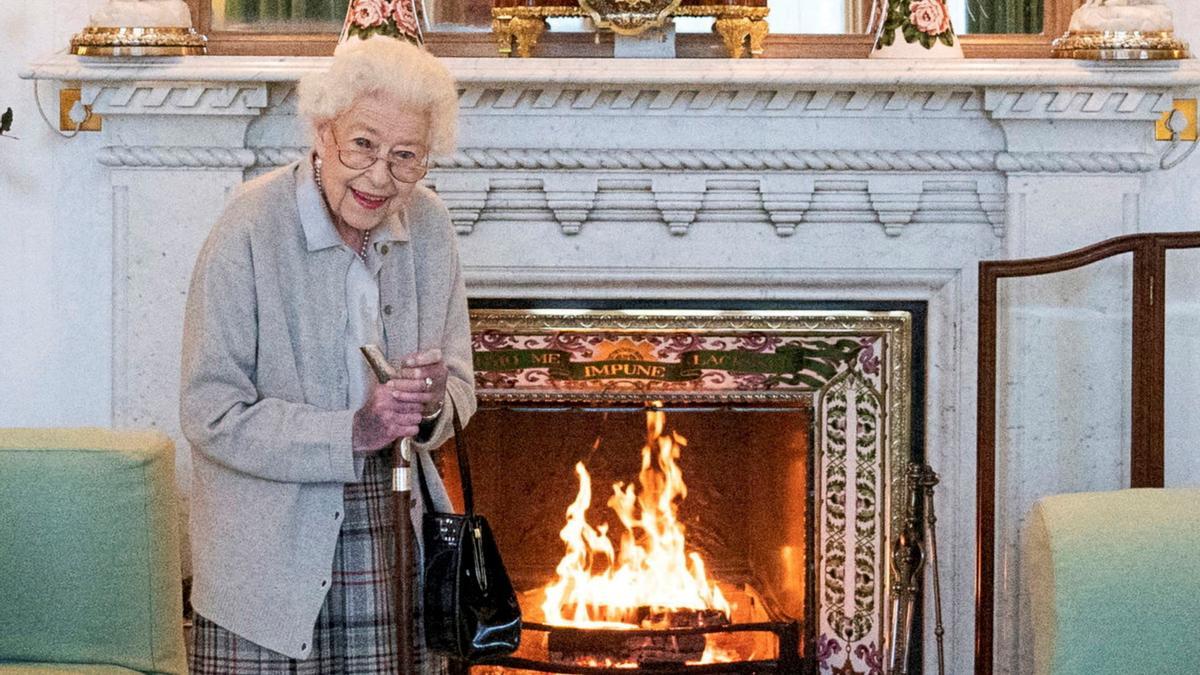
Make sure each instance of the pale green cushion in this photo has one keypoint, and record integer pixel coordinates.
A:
(1114, 582)
(89, 550)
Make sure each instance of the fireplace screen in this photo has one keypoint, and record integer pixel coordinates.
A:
(694, 492)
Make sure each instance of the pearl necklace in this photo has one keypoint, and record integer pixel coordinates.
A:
(366, 235)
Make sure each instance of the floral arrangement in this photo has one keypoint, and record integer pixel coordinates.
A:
(394, 18)
(923, 21)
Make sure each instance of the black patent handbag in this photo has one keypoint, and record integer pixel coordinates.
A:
(471, 611)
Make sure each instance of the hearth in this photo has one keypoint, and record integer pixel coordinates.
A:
(776, 442)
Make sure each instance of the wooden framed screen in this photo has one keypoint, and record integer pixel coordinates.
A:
(1146, 451)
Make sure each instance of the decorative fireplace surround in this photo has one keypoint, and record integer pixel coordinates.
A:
(703, 180)
(852, 371)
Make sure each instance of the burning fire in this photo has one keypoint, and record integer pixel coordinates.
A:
(652, 573)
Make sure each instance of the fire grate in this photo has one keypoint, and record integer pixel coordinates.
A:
(787, 637)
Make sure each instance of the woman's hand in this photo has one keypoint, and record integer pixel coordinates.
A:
(393, 410)
(426, 372)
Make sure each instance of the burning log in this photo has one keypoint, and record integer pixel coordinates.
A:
(614, 646)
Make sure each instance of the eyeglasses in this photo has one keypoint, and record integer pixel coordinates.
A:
(361, 154)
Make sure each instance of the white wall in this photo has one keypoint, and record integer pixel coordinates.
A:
(54, 241)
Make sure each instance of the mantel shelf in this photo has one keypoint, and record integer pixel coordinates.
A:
(767, 72)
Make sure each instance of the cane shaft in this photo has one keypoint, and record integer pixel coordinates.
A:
(404, 575)
(402, 517)
(402, 527)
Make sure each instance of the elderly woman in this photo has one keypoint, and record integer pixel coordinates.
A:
(290, 435)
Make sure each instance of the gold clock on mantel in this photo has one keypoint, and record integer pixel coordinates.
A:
(741, 24)
(629, 17)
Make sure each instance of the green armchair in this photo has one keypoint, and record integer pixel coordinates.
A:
(89, 553)
(1114, 582)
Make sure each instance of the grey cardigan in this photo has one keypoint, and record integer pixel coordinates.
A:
(264, 396)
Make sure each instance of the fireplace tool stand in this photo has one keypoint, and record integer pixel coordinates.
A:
(908, 562)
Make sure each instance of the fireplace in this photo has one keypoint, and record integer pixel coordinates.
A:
(789, 433)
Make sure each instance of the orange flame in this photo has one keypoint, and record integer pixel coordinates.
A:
(600, 587)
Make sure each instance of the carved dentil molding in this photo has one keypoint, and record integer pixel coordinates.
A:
(680, 182)
(784, 203)
(685, 186)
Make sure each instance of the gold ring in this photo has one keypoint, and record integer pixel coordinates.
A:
(428, 383)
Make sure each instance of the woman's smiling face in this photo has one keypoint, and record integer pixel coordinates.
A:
(374, 125)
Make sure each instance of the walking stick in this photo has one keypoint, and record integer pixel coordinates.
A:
(402, 457)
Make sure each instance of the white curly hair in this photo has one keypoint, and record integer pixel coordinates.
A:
(383, 64)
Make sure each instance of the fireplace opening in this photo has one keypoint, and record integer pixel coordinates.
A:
(738, 489)
(774, 443)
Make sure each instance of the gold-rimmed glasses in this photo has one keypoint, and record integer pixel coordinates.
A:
(360, 154)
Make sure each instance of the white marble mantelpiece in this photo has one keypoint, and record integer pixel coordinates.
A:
(692, 180)
(757, 73)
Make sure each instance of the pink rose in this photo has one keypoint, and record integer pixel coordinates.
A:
(405, 16)
(929, 16)
(369, 13)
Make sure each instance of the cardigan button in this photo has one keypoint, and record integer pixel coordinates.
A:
(387, 309)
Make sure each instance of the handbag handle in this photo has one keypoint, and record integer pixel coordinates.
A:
(464, 465)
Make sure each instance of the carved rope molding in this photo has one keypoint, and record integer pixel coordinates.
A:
(719, 160)
(516, 159)
(1076, 162)
(191, 157)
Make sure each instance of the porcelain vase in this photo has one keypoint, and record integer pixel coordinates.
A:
(915, 29)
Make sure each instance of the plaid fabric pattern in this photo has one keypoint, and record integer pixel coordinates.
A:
(354, 634)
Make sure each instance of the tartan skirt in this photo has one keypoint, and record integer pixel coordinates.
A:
(355, 633)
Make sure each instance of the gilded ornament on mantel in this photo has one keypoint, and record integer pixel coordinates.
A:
(629, 17)
(1120, 46)
(1121, 30)
(742, 26)
(138, 41)
(140, 28)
